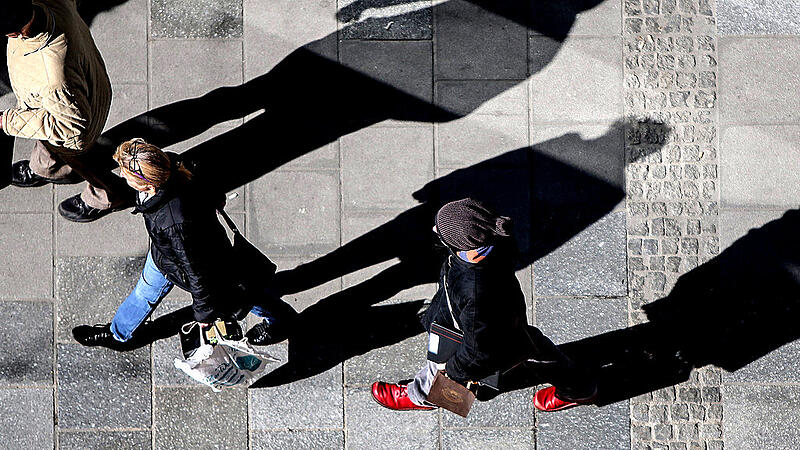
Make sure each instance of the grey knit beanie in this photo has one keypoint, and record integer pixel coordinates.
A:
(467, 224)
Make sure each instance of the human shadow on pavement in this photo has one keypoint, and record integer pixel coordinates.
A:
(728, 312)
(552, 191)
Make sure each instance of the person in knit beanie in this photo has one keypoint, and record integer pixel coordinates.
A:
(480, 298)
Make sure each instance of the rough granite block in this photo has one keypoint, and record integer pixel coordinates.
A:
(28, 418)
(739, 17)
(475, 43)
(284, 219)
(198, 417)
(26, 245)
(91, 440)
(121, 36)
(770, 183)
(758, 80)
(585, 428)
(400, 361)
(593, 263)
(102, 388)
(758, 416)
(570, 319)
(478, 439)
(595, 96)
(385, 20)
(30, 356)
(365, 416)
(206, 19)
(90, 289)
(402, 150)
(279, 440)
(512, 409)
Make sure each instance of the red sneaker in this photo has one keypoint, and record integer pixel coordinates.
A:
(394, 396)
(546, 400)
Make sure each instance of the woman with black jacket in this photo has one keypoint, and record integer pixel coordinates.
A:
(188, 248)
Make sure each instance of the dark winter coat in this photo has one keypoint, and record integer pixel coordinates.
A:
(489, 307)
(190, 247)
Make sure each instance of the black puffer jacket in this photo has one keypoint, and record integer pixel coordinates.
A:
(189, 245)
(490, 308)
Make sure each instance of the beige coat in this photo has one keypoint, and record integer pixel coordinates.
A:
(60, 80)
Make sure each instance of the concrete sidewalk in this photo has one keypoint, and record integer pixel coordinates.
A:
(633, 141)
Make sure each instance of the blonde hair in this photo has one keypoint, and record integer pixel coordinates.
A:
(148, 164)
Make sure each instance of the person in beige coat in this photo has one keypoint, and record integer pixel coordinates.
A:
(63, 99)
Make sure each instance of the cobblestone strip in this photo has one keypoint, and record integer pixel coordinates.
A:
(670, 66)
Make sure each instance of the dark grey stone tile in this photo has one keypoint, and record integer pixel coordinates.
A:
(288, 220)
(736, 17)
(736, 224)
(102, 388)
(28, 418)
(165, 351)
(770, 183)
(489, 97)
(585, 427)
(570, 319)
(90, 289)
(196, 19)
(595, 96)
(473, 43)
(758, 80)
(758, 416)
(479, 137)
(321, 397)
(777, 366)
(512, 409)
(391, 363)
(406, 66)
(479, 439)
(29, 355)
(121, 36)
(593, 263)
(385, 20)
(366, 423)
(198, 417)
(279, 440)
(403, 150)
(14, 199)
(91, 440)
(26, 243)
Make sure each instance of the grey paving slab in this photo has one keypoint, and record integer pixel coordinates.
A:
(741, 17)
(198, 417)
(165, 351)
(279, 440)
(473, 43)
(778, 366)
(391, 363)
(595, 96)
(491, 97)
(512, 409)
(406, 66)
(479, 439)
(570, 319)
(276, 407)
(758, 416)
(90, 289)
(758, 78)
(479, 137)
(422, 291)
(200, 138)
(28, 358)
(28, 418)
(603, 19)
(196, 19)
(284, 219)
(271, 32)
(585, 428)
(118, 234)
(14, 199)
(770, 183)
(303, 299)
(593, 263)
(102, 388)
(387, 20)
(91, 440)
(127, 101)
(735, 224)
(369, 154)
(325, 157)
(121, 37)
(26, 242)
(411, 430)
(209, 64)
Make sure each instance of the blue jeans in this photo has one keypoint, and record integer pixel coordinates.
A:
(151, 288)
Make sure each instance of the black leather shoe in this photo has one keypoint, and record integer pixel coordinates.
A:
(265, 333)
(76, 210)
(94, 335)
(23, 176)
